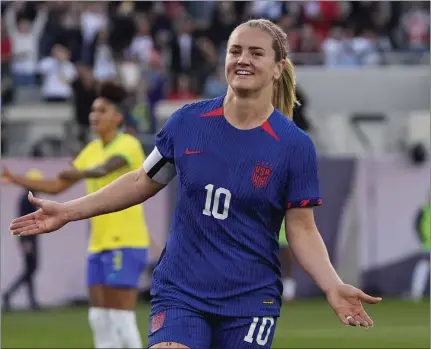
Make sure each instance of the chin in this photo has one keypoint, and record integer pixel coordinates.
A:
(243, 87)
(242, 84)
(95, 129)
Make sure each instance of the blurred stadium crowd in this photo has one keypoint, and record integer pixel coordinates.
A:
(59, 50)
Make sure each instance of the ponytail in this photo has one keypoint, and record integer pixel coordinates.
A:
(284, 96)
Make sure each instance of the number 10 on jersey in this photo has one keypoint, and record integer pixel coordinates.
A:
(212, 207)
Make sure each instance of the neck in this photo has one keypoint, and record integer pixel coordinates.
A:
(247, 111)
(108, 137)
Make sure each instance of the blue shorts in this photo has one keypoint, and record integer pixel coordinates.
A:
(199, 330)
(117, 268)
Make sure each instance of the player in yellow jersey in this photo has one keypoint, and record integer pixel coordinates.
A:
(119, 241)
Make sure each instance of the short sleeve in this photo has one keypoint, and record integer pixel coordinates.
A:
(80, 162)
(165, 138)
(160, 164)
(303, 182)
(131, 150)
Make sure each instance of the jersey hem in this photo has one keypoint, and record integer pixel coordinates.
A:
(215, 313)
(162, 304)
(98, 250)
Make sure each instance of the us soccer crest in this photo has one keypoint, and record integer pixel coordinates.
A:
(157, 321)
(261, 174)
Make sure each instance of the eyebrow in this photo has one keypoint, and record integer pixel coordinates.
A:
(250, 47)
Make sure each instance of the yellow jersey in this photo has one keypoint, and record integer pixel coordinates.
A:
(121, 229)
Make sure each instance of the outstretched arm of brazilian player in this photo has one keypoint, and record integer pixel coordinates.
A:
(129, 190)
(112, 164)
(66, 178)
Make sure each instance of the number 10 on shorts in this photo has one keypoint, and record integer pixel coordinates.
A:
(264, 330)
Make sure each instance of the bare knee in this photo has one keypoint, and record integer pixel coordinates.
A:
(169, 345)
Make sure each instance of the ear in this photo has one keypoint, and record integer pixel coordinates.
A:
(119, 117)
(278, 70)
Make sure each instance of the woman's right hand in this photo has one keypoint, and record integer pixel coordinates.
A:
(50, 217)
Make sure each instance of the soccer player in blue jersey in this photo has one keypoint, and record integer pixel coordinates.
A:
(243, 166)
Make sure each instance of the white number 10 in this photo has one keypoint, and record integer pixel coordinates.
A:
(215, 204)
(267, 323)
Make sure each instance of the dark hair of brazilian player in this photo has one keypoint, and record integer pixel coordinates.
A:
(115, 94)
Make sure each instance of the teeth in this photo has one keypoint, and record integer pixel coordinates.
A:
(243, 72)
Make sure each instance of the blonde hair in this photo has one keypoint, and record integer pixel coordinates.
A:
(283, 96)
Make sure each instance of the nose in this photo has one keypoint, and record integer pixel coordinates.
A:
(243, 59)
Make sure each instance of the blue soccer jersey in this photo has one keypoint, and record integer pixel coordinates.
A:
(235, 185)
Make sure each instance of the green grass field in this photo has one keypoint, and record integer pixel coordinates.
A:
(304, 324)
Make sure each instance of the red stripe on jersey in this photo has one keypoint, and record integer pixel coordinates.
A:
(268, 128)
(215, 112)
(304, 203)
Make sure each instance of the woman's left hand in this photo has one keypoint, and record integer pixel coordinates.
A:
(346, 301)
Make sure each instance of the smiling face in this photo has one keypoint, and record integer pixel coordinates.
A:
(250, 62)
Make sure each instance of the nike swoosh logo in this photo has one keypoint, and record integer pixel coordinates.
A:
(191, 152)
